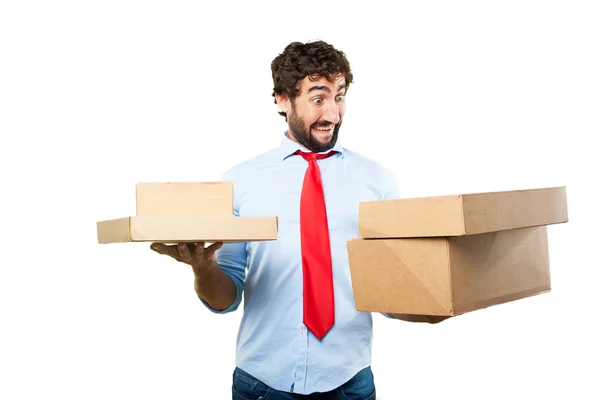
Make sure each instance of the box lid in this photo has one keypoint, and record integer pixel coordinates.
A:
(462, 214)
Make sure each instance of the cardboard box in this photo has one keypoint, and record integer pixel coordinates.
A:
(448, 255)
(172, 212)
(449, 276)
(463, 214)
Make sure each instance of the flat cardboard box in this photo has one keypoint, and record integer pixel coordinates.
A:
(463, 214)
(194, 228)
(172, 212)
(448, 276)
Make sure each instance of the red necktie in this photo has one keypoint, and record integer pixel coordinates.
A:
(316, 250)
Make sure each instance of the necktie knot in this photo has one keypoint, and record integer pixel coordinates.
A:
(315, 156)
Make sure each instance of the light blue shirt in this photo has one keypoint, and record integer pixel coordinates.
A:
(273, 344)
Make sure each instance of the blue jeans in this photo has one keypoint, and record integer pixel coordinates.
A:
(360, 387)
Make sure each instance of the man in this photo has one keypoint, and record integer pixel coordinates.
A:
(300, 335)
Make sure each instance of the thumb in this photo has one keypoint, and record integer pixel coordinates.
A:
(157, 247)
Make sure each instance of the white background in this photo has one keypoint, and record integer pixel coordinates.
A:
(452, 96)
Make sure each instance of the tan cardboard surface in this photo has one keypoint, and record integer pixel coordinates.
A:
(173, 229)
(449, 276)
(463, 214)
(184, 198)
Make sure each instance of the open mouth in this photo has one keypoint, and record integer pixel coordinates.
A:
(323, 130)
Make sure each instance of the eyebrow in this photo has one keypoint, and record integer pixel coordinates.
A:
(325, 88)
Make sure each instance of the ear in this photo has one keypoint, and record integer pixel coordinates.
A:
(283, 101)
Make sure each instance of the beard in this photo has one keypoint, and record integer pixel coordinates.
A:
(304, 136)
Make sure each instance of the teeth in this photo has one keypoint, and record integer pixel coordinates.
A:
(323, 129)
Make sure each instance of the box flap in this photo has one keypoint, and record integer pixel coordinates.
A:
(400, 276)
(493, 268)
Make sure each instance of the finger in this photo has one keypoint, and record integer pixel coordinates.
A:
(199, 250)
(191, 247)
(184, 253)
(162, 248)
(210, 250)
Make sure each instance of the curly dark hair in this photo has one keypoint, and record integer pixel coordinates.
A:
(313, 59)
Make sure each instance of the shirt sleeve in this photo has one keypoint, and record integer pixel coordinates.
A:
(232, 258)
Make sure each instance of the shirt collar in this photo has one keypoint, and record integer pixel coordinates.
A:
(288, 147)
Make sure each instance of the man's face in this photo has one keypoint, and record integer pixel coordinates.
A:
(315, 116)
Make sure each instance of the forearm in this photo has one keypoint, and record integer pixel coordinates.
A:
(215, 287)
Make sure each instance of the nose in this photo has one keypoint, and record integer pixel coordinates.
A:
(331, 113)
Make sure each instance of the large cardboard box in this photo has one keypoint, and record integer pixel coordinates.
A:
(172, 212)
(448, 255)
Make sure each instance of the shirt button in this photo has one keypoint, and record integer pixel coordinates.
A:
(302, 331)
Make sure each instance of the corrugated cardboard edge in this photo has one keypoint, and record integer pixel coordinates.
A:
(451, 311)
(463, 229)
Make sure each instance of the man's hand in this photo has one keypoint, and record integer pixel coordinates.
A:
(431, 319)
(435, 319)
(210, 282)
(196, 255)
